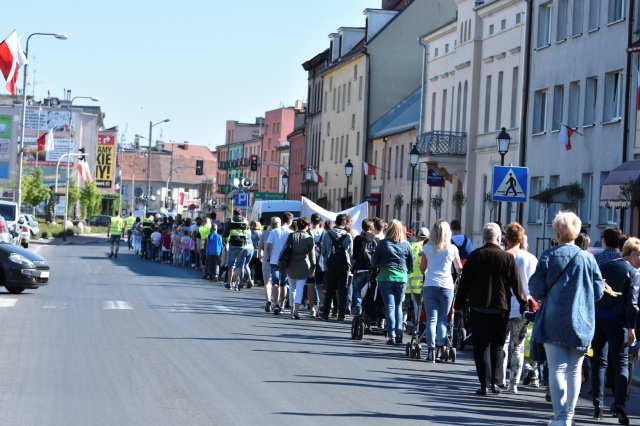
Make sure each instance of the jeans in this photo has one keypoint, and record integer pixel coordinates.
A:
(244, 259)
(392, 294)
(278, 279)
(610, 339)
(213, 266)
(360, 279)
(337, 282)
(350, 291)
(234, 258)
(565, 374)
(514, 341)
(489, 331)
(437, 304)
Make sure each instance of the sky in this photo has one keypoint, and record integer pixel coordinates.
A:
(198, 63)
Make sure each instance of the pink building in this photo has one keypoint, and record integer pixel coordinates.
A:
(278, 123)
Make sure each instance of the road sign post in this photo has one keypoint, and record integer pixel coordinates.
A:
(510, 184)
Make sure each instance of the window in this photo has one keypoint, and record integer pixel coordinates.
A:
(358, 144)
(395, 172)
(433, 111)
(616, 11)
(339, 94)
(349, 94)
(353, 121)
(514, 97)
(594, 15)
(491, 29)
(563, 9)
(613, 96)
(503, 24)
(458, 105)
(355, 72)
(584, 209)
(389, 165)
(487, 104)
(574, 104)
(578, 17)
(544, 25)
(328, 129)
(558, 107)
(325, 101)
(590, 101)
(264, 154)
(499, 101)
(435, 52)
(375, 161)
(539, 111)
(269, 143)
(464, 106)
(332, 142)
(344, 95)
(341, 147)
(518, 18)
(446, 48)
(322, 150)
(346, 147)
(360, 88)
(607, 216)
(401, 160)
(535, 208)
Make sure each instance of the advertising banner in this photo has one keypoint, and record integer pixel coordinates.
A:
(47, 158)
(105, 160)
(42, 120)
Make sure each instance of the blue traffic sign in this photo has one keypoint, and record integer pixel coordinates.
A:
(241, 199)
(510, 184)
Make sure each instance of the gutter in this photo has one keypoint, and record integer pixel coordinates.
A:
(525, 94)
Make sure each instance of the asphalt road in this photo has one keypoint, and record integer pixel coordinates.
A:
(130, 342)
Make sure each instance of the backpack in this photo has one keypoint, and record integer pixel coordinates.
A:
(462, 249)
(338, 258)
(366, 253)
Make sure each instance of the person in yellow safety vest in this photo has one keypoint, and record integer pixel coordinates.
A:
(129, 221)
(115, 231)
(415, 278)
(204, 232)
(146, 234)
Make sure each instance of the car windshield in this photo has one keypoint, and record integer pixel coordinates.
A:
(8, 211)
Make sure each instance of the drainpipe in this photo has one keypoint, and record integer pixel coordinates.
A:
(525, 93)
(627, 96)
(366, 126)
(423, 101)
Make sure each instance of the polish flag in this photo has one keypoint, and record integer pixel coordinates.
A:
(46, 141)
(369, 169)
(302, 167)
(181, 199)
(317, 178)
(564, 138)
(11, 59)
(84, 174)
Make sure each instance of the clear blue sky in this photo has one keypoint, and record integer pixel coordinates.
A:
(196, 62)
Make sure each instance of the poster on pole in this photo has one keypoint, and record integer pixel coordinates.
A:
(105, 159)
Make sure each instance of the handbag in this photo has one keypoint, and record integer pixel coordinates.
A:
(285, 254)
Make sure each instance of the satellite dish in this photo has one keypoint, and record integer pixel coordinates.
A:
(223, 206)
(247, 182)
(213, 202)
(145, 196)
(153, 198)
(236, 182)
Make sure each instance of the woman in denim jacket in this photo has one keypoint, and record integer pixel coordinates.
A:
(567, 281)
(394, 257)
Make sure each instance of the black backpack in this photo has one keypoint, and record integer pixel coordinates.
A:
(366, 253)
(338, 258)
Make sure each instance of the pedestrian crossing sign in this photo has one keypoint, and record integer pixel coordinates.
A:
(510, 184)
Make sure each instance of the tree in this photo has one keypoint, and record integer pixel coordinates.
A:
(74, 194)
(419, 203)
(459, 200)
(491, 205)
(398, 202)
(576, 194)
(114, 205)
(90, 199)
(34, 191)
(436, 202)
(630, 191)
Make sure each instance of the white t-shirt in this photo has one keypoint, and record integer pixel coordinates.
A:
(155, 238)
(277, 238)
(193, 230)
(526, 267)
(439, 266)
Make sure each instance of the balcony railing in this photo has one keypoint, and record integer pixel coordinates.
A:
(224, 189)
(440, 143)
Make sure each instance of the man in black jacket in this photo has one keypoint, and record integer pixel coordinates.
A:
(489, 278)
(615, 328)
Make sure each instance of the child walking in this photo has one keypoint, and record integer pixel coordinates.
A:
(166, 245)
(185, 242)
(176, 245)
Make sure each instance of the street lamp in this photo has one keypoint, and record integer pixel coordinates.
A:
(66, 198)
(151, 126)
(348, 171)
(24, 111)
(308, 175)
(414, 158)
(502, 142)
(285, 183)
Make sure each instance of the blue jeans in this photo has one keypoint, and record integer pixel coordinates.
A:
(277, 278)
(233, 258)
(243, 263)
(437, 303)
(392, 294)
(610, 339)
(360, 279)
(565, 374)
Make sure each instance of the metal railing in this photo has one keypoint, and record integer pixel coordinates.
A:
(440, 143)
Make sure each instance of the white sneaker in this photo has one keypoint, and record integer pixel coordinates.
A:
(512, 388)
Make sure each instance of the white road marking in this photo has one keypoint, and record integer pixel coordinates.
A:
(224, 308)
(116, 304)
(8, 303)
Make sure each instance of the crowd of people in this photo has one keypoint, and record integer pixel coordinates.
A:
(576, 301)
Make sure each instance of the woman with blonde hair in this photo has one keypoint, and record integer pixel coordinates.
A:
(438, 287)
(394, 257)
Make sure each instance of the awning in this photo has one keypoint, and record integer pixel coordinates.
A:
(610, 195)
(559, 195)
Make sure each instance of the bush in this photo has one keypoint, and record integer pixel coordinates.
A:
(44, 235)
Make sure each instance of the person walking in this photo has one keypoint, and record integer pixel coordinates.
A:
(616, 315)
(213, 249)
(413, 292)
(489, 278)
(137, 236)
(337, 250)
(256, 265)
(440, 255)
(236, 234)
(114, 233)
(567, 282)
(610, 240)
(302, 263)
(129, 221)
(266, 266)
(394, 258)
(275, 244)
(364, 245)
(515, 239)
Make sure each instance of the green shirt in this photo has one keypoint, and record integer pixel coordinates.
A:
(392, 274)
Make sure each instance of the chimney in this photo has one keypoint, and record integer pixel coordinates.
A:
(186, 145)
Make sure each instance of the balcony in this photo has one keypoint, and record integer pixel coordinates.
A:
(223, 165)
(446, 152)
(243, 162)
(224, 189)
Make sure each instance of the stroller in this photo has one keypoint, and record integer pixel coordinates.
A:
(461, 329)
(372, 315)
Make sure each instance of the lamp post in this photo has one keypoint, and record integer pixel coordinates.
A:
(502, 142)
(414, 157)
(151, 126)
(308, 175)
(348, 171)
(24, 111)
(285, 183)
(66, 197)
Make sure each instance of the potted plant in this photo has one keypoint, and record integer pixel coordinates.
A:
(491, 205)
(576, 194)
(630, 192)
(459, 200)
(398, 202)
(436, 203)
(418, 202)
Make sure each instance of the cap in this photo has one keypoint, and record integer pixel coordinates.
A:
(423, 232)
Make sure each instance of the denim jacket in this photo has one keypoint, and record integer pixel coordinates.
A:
(567, 314)
(390, 254)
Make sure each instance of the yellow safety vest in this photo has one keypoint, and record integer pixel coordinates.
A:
(116, 226)
(130, 220)
(204, 232)
(415, 278)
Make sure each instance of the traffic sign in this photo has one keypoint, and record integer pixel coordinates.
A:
(241, 199)
(510, 184)
(269, 196)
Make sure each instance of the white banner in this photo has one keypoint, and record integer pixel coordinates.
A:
(358, 213)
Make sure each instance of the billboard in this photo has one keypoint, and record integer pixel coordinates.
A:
(105, 159)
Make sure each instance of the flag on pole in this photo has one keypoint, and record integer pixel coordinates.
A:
(564, 138)
(369, 169)
(46, 141)
(11, 59)
(317, 178)
(84, 175)
(302, 167)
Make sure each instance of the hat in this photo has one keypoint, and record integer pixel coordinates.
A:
(423, 232)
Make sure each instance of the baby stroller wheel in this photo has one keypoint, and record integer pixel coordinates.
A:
(418, 351)
(445, 354)
(452, 355)
(407, 349)
(356, 326)
(360, 330)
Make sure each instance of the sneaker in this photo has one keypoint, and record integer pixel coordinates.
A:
(295, 315)
(115, 255)
(111, 255)
(528, 378)
(535, 383)
(313, 313)
(619, 412)
(495, 389)
(276, 310)
(267, 306)
(249, 284)
(598, 413)
(547, 395)
(348, 311)
(334, 314)
(513, 388)
(227, 286)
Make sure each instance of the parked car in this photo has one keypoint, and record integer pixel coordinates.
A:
(32, 223)
(20, 269)
(25, 231)
(9, 211)
(98, 220)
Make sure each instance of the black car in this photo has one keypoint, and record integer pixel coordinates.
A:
(21, 269)
(99, 220)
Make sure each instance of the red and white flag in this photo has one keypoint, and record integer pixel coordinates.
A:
(369, 169)
(46, 141)
(317, 178)
(84, 174)
(302, 167)
(564, 138)
(181, 199)
(11, 59)
(638, 95)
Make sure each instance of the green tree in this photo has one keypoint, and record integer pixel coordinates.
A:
(576, 194)
(114, 205)
(436, 202)
(459, 200)
(398, 201)
(34, 191)
(90, 199)
(74, 194)
(418, 202)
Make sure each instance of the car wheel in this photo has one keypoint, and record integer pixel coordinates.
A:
(15, 290)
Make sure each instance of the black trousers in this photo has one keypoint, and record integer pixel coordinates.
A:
(336, 282)
(609, 344)
(489, 332)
